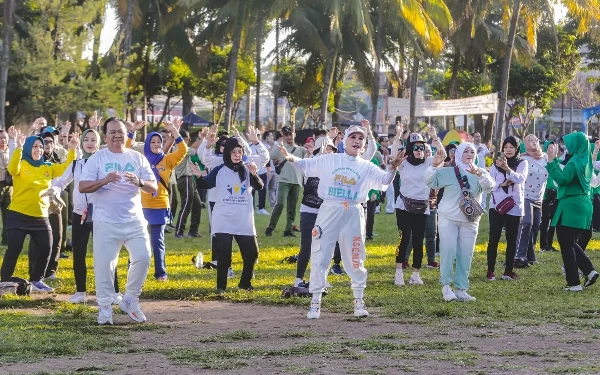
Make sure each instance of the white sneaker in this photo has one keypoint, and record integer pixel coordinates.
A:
(132, 307)
(576, 288)
(448, 293)
(230, 273)
(117, 298)
(78, 297)
(463, 296)
(262, 211)
(52, 276)
(360, 309)
(105, 314)
(415, 279)
(399, 278)
(314, 311)
(297, 282)
(40, 287)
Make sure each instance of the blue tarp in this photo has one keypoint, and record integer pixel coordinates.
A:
(193, 119)
(586, 113)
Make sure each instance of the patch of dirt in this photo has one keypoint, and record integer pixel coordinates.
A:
(232, 338)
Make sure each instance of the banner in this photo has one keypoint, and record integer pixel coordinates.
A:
(455, 107)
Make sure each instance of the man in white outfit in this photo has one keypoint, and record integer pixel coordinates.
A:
(344, 182)
(116, 175)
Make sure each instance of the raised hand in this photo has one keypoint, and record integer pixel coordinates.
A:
(39, 123)
(195, 169)
(252, 134)
(20, 139)
(252, 168)
(94, 121)
(211, 139)
(439, 158)
(431, 131)
(138, 125)
(177, 122)
(283, 151)
(398, 160)
(502, 163)
(553, 151)
(332, 133)
(473, 169)
(74, 142)
(309, 150)
(12, 132)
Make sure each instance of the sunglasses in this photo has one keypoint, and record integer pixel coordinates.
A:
(418, 148)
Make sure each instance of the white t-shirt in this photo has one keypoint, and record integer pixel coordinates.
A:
(234, 210)
(344, 178)
(117, 202)
(412, 182)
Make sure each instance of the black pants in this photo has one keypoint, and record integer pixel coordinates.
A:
(497, 222)
(572, 254)
(81, 236)
(190, 203)
(307, 223)
(56, 223)
(371, 205)
(547, 231)
(5, 199)
(412, 228)
(16, 238)
(249, 249)
(262, 194)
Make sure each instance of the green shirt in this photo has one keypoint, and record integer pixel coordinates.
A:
(574, 204)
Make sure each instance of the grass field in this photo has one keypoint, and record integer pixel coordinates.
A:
(535, 299)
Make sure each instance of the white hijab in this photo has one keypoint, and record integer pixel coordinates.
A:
(460, 150)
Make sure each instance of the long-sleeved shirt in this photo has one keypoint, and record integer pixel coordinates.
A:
(165, 167)
(30, 182)
(73, 173)
(344, 178)
(535, 184)
(5, 156)
(437, 178)
(516, 191)
(411, 183)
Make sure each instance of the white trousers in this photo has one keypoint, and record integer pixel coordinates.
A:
(457, 243)
(389, 198)
(346, 225)
(108, 239)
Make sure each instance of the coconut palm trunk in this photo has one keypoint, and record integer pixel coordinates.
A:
(327, 78)
(9, 13)
(233, 61)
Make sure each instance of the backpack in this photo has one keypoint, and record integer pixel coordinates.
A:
(23, 287)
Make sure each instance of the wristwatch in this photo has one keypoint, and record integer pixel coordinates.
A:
(141, 183)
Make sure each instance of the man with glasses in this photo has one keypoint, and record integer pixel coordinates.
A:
(116, 175)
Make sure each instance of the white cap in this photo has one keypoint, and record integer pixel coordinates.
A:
(354, 129)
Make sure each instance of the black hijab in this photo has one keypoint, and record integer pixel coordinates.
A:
(232, 143)
(220, 142)
(411, 154)
(513, 162)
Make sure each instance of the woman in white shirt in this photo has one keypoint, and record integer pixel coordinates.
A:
(412, 205)
(507, 206)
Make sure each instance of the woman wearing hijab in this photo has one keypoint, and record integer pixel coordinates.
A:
(82, 213)
(412, 205)
(28, 211)
(509, 174)
(457, 233)
(55, 218)
(549, 203)
(233, 212)
(535, 186)
(156, 206)
(574, 211)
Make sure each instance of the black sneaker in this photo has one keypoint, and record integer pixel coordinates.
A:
(268, 232)
(248, 288)
(591, 278)
(63, 256)
(521, 264)
(288, 234)
(193, 235)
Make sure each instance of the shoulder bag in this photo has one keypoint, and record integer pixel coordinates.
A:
(467, 204)
(414, 206)
(280, 165)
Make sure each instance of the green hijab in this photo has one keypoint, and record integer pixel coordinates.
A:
(85, 154)
(578, 146)
(546, 144)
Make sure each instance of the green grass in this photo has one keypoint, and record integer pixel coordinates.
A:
(535, 299)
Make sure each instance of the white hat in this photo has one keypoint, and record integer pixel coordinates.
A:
(354, 129)
(321, 145)
(415, 137)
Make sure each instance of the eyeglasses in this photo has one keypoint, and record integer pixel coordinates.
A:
(418, 148)
(48, 141)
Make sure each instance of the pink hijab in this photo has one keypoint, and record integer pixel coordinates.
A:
(535, 152)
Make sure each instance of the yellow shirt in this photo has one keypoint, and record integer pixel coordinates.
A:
(166, 165)
(30, 182)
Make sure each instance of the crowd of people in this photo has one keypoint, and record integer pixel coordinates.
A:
(127, 193)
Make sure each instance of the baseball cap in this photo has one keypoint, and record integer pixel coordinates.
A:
(286, 130)
(415, 137)
(354, 129)
(322, 144)
(50, 129)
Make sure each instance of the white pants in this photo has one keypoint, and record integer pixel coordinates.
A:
(457, 242)
(108, 239)
(484, 201)
(346, 225)
(389, 198)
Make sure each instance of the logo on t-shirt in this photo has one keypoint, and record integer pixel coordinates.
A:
(236, 189)
(116, 167)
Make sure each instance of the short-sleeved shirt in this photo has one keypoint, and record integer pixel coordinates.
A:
(117, 202)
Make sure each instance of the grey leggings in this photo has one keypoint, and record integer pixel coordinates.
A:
(528, 231)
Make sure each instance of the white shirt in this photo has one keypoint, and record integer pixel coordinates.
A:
(80, 200)
(344, 178)
(516, 191)
(117, 202)
(482, 152)
(537, 176)
(412, 183)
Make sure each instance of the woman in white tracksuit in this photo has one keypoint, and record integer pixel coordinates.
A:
(344, 182)
(457, 233)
